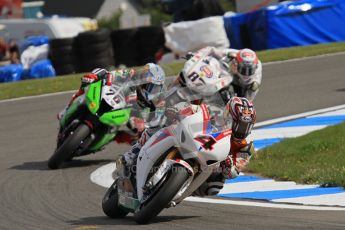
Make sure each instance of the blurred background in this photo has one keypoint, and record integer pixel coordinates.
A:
(50, 37)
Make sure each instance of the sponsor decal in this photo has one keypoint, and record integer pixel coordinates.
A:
(207, 141)
(92, 105)
(206, 119)
(248, 54)
(131, 98)
(207, 71)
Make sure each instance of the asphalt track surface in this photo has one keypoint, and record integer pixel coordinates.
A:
(33, 197)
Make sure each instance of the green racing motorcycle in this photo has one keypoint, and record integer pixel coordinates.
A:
(92, 121)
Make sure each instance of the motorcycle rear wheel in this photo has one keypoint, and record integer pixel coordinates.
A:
(70, 144)
(177, 176)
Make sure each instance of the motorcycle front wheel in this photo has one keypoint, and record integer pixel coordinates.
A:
(70, 145)
(110, 204)
(177, 176)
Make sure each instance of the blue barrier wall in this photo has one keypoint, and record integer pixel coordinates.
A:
(298, 23)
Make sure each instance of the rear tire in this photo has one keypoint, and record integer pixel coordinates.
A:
(110, 204)
(176, 179)
(67, 148)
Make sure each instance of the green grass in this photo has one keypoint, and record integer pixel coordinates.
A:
(316, 158)
(300, 51)
(39, 86)
(70, 82)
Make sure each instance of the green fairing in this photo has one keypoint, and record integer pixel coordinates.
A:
(113, 118)
(116, 118)
(71, 110)
(93, 95)
(105, 140)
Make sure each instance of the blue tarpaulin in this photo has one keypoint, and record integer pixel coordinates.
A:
(41, 69)
(11, 73)
(296, 23)
(34, 41)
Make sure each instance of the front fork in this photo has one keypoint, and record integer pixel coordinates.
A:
(65, 131)
(171, 159)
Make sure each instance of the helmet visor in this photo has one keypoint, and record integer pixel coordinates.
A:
(246, 70)
(151, 91)
(241, 129)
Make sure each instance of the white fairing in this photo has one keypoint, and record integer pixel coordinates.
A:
(149, 154)
(205, 73)
(194, 126)
(189, 136)
(113, 96)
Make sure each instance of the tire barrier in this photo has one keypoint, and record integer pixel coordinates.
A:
(137, 46)
(94, 50)
(63, 55)
(150, 40)
(126, 47)
(103, 49)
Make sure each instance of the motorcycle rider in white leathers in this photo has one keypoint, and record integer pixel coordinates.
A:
(174, 106)
(243, 117)
(174, 96)
(243, 65)
(246, 69)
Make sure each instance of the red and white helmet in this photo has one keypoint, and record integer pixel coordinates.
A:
(247, 63)
(243, 115)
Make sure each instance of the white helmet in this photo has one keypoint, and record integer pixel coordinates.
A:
(247, 63)
(154, 77)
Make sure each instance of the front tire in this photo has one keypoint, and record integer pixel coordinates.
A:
(178, 176)
(110, 204)
(70, 144)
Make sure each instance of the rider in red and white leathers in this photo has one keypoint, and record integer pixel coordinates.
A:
(243, 117)
(174, 106)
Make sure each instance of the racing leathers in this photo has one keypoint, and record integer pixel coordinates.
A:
(241, 85)
(244, 86)
(176, 105)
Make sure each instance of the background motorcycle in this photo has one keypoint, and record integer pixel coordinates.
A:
(200, 68)
(91, 121)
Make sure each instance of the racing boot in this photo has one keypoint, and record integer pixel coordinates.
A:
(125, 164)
(211, 186)
(215, 183)
(229, 169)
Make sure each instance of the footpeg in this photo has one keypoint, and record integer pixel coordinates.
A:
(172, 204)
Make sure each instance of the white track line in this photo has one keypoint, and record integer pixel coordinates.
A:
(285, 132)
(262, 204)
(262, 186)
(296, 116)
(103, 177)
(337, 199)
(37, 96)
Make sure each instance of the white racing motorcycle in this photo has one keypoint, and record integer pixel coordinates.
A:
(171, 165)
(209, 74)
